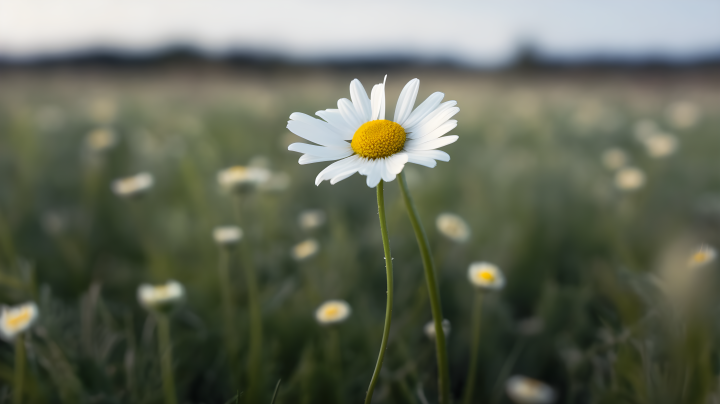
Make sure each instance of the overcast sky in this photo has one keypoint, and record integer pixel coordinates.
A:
(472, 32)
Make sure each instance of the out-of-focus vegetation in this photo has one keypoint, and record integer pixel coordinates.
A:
(600, 300)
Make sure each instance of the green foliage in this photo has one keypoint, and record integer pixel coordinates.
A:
(591, 306)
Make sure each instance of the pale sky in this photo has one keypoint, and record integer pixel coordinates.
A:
(481, 33)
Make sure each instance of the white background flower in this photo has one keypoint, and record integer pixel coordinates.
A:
(357, 134)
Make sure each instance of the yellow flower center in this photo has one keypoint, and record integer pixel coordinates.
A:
(332, 311)
(15, 321)
(699, 257)
(486, 276)
(378, 139)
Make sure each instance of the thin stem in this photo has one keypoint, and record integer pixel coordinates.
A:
(255, 381)
(334, 362)
(229, 317)
(474, 347)
(19, 369)
(166, 359)
(388, 307)
(433, 291)
(506, 369)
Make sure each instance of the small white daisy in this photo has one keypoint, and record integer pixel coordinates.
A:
(161, 297)
(453, 227)
(100, 139)
(358, 135)
(704, 255)
(629, 178)
(486, 276)
(524, 390)
(305, 249)
(17, 319)
(312, 219)
(332, 312)
(227, 235)
(429, 328)
(133, 186)
(660, 145)
(614, 159)
(242, 178)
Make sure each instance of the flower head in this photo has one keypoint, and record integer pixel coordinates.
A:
(703, 256)
(161, 298)
(524, 390)
(133, 186)
(363, 141)
(305, 249)
(333, 311)
(312, 219)
(486, 276)
(614, 158)
(453, 227)
(227, 235)
(629, 179)
(100, 139)
(683, 114)
(17, 319)
(429, 328)
(660, 145)
(242, 178)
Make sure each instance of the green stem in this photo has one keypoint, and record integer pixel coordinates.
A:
(166, 359)
(334, 362)
(19, 369)
(227, 302)
(474, 347)
(255, 381)
(433, 291)
(388, 307)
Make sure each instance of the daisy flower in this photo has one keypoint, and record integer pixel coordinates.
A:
(453, 227)
(704, 255)
(311, 219)
(133, 186)
(429, 328)
(161, 297)
(333, 311)
(486, 276)
(242, 178)
(358, 136)
(17, 319)
(305, 249)
(629, 179)
(524, 390)
(227, 235)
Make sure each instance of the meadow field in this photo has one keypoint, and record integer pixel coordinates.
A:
(591, 191)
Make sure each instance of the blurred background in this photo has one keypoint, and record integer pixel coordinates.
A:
(586, 169)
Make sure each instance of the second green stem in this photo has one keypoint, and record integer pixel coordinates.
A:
(388, 307)
(433, 291)
(474, 347)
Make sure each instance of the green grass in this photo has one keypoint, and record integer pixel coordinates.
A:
(582, 309)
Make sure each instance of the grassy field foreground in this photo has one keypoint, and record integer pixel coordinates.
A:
(601, 301)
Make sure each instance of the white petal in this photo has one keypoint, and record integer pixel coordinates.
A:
(316, 132)
(406, 102)
(378, 101)
(397, 162)
(423, 161)
(308, 159)
(360, 100)
(443, 129)
(321, 151)
(336, 168)
(443, 107)
(334, 180)
(386, 174)
(424, 109)
(374, 174)
(433, 144)
(336, 120)
(347, 109)
(433, 154)
(434, 123)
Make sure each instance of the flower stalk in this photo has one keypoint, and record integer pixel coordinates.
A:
(388, 307)
(254, 381)
(229, 317)
(19, 379)
(433, 291)
(474, 347)
(166, 359)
